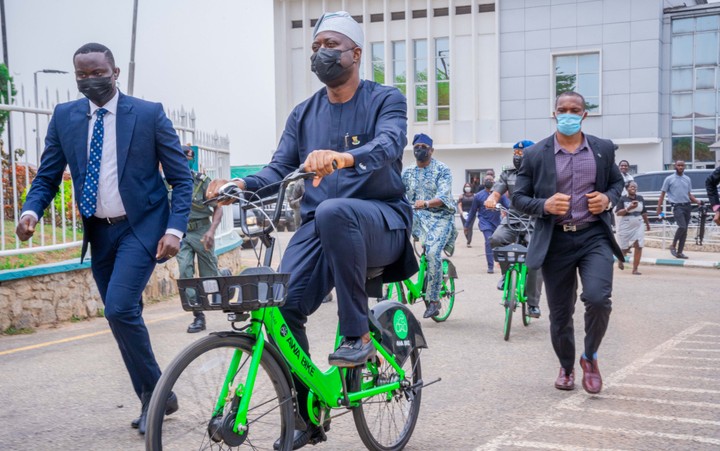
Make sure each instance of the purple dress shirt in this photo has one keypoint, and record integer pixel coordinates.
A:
(576, 173)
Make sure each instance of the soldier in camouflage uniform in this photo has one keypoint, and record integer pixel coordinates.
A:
(200, 238)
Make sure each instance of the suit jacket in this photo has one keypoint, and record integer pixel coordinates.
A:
(145, 136)
(537, 181)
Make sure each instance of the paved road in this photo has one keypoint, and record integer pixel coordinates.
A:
(65, 388)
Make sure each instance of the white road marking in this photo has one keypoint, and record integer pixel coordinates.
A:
(682, 357)
(684, 367)
(517, 436)
(684, 377)
(644, 416)
(635, 432)
(698, 404)
(696, 349)
(544, 445)
(673, 389)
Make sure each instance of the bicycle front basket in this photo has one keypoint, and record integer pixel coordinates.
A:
(512, 253)
(252, 289)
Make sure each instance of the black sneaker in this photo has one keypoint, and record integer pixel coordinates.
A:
(197, 325)
(673, 251)
(352, 352)
(312, 436)
(533, 312)
(433, 309)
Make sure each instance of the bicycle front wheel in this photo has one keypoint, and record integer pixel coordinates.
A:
(197, 376)
(526, 318)
(447, 295)
(385, 422)
(510, 301)
(394, 292)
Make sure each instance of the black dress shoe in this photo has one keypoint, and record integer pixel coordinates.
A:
(533, 312)
(171, 407)
(433, 309)
(197, 325)
(352, 352)
(312, 436)
(673, 252)
(501, 283)
(681, 255)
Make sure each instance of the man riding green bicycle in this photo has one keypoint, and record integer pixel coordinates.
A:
(352, 219)
(428, 186)
(505, 234)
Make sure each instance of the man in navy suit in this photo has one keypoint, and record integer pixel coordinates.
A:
(570, 182)
(113, 144)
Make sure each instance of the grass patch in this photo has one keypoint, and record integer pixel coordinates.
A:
(10, 240)
(76, 319)
(22, 331)
(100, 313)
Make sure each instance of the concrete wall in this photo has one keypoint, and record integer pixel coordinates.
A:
(49, 299)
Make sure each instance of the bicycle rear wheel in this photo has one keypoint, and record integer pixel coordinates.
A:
(196, 376)
(510, 302)
(447, 295)
(386, 421)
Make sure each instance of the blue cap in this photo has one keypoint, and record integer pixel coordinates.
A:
(422, 138)
(524, 144)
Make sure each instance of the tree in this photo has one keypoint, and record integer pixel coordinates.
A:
(567, 82)
(5, 96)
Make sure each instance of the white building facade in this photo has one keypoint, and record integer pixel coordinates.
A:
(481, 75)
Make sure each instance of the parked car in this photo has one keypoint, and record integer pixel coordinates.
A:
(650, 184)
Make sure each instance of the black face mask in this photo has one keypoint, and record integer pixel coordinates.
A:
(422, 154)
(517, 159)
(98, 90)
(489, 185)
(326, 64)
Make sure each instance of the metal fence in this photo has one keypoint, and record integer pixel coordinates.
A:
(61, 225)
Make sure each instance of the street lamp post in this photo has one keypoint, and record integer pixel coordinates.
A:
(37, 106)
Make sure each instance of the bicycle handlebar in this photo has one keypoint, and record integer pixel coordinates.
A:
(232, 192)
(516, 222)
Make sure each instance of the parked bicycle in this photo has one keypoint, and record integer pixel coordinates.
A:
(410, 292)
(235, 387)
(516, 276)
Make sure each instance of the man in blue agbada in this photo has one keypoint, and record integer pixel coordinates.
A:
(354, 217)
(428, 186)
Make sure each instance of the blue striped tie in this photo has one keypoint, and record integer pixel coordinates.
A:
(88, 203)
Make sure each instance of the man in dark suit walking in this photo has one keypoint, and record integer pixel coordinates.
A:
(113, 144)
(570, 182)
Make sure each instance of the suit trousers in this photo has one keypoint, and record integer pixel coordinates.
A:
(681, 213)
(346, 237)
(586, 253)
(122, 267)
(207, 261)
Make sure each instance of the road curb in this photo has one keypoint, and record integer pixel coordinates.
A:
(677, 262)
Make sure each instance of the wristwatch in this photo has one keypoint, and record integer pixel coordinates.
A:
(427, 205)
(610, 205)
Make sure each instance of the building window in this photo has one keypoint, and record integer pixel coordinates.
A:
(420, 72)
(442, 78)
(695, 89)
(399, 64)
(579, 73)
(377, 53)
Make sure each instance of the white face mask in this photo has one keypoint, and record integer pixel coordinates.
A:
(467, 189)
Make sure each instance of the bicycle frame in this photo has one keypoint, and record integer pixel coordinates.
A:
(327, 386)
(416, 290)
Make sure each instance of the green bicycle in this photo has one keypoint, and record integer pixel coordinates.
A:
(409, 291)
(236, 388)
(516, 276)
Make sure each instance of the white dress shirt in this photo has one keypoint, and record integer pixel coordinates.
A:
(109, 202)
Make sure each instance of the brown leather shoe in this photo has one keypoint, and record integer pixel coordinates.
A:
(592, 381)
(565, 381)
